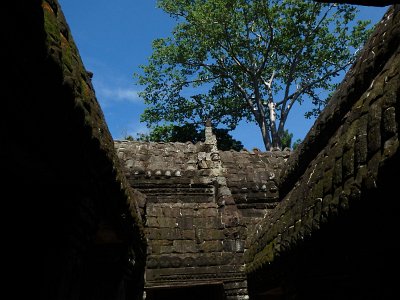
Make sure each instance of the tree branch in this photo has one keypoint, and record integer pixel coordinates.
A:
(297, 57)
(268, 48)
(208, 79)
(248, 39)
(303, 87)
(268, 85)
(231, 53)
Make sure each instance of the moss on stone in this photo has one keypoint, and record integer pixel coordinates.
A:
(68, 58)
(51, 24)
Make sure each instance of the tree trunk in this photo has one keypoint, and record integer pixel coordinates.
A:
(276, 139)
(265, 134)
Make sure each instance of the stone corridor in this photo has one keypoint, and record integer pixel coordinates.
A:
(89, 218)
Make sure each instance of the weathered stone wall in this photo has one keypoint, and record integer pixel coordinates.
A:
(199, 204)
(71, 226)
(252, 180)
(325, 228)
(346, 165)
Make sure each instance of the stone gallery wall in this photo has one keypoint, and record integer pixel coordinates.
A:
(71, 229)
(338, 206)
(198, 207)
(252, 180)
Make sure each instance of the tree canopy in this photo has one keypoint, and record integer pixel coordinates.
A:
(253, 60)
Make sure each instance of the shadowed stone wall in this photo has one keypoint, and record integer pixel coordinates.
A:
(70, 225)
(331, 236)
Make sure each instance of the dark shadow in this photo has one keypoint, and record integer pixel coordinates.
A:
(199, 292)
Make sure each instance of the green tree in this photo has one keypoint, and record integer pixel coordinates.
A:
(190, 133)
(296, 143)
(232, 60)
(286, 139)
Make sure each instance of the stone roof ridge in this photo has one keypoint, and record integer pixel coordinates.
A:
(256, 151)
(171, 160)
(160, 145)
(151, 142)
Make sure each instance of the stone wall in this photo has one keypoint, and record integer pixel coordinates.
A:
(71, 228)
(338, 190)
(252, 180)
(199, 205)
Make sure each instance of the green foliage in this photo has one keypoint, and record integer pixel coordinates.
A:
(296, 143)
(173, 133)
(227, 60)
(190, 133)
(225, 141)
(286, 139)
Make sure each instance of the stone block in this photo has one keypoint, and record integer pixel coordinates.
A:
(166, 222)
(169, 234)
(171, 211)
(166, 249)
(185, 223)
(334, 204)
(184, 246)
(152, 262)
(209, 234)
(360, 145)
(207, 205)
(159, 246)
(374, 130)
(207, 222)
(373, 165)
(348, 163)
(211, 246)
(188, 234)
(337, 173)
(153, 233)
(316, 192)
(189, 261)
(164, 262)
(233, 245)
(207, 212)
(152, 222)
(154, 210)
(317, 214)
(327, 181)
(187, 212)
(325, 208)
(390, 147)
(203, 261)
(389, 123)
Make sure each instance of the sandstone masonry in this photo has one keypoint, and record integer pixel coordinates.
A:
(198, 207)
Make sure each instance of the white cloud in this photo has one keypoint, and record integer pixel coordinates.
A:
(118, 94)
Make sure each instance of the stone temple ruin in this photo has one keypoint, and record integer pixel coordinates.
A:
(198, 204)
(91, 218)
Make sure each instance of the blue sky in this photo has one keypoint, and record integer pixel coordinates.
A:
(114, 38)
